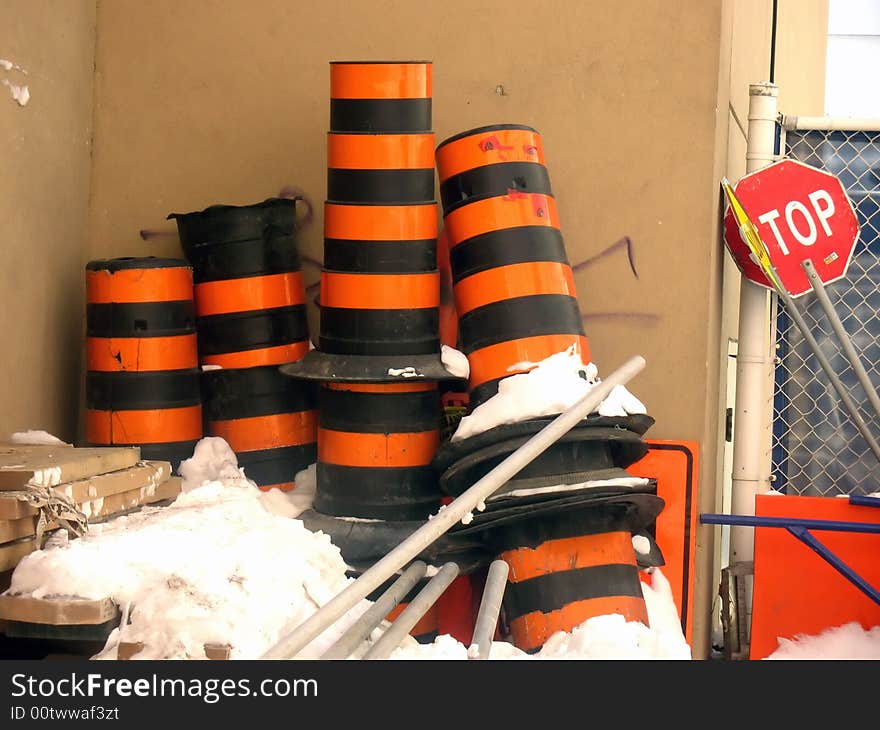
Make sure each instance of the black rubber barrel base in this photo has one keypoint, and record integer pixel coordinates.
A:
(267, 467)
(319, 365)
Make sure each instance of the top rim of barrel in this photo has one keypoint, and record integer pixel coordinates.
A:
(136, 262)
(222, 207)
(378, 63)
(487, 128)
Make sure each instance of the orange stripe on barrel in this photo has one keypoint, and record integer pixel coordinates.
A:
(141, 354)
(380, 222)
(283, 486)
(516, 280)
(489, 363)
(267, 432)
(277, 355)
(161, 425)
(380, 80)
(249, 293)
(377, 449)
(570, 553)
(139, 285)
(488, 148)
(380, 151)
(502, 211)
(532, 630)
(380, 291)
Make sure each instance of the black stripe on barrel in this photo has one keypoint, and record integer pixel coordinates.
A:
(261, 328)
(238, 259)
(141, 319)
(279, 466)
(491, 180)
(273, 218)
(259, 391)
(526, 244)
(387, 116)
(511, 319)
(380, 186)
(129, 391)
(380, 331)
(380, 257)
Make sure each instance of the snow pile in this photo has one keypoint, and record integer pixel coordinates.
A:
(293, 503)
(455, 361)
(548, 388)
(601, 637)
(212, 460)
(36, 438)
(849, 641)
(405, 372)
(213, 567)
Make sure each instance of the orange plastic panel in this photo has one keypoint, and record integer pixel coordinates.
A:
(796, 591)
(139, 285)
(515, 280)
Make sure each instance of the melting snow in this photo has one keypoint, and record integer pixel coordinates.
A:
(36, 438)
(849, 641)
(407, 372)
(548, 388)
(455, 361)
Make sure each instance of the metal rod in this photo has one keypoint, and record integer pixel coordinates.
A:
(361, 629)
(442, 522)
(794, 310)
(410, 616)
(809, 524)
(835, 562)
(864, 501)
(842, 335)
(490, 607)
(829, 124)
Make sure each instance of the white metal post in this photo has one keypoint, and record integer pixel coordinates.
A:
(753, 413)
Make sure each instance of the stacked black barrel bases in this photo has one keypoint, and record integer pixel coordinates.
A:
(378, 352)
(142, 384)
(250, 303)
(564, 524)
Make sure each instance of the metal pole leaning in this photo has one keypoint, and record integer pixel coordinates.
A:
(410, 616)
(792, 308)
(490, 607)
(842, 335)
(442, 522)
(361, 629)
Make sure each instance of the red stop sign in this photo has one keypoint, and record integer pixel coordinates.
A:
(801, 213)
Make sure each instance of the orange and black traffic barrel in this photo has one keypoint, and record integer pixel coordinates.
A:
(249, 293)
(269, 420)
(375, 446)
(142, 384)
(388, 97)
(565, 570)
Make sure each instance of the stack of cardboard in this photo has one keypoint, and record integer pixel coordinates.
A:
(102, 482)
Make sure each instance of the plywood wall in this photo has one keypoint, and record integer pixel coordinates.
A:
(45, 149)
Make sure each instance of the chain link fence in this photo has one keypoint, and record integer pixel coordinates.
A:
(816, 448)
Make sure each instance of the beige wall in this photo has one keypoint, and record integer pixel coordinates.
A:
(44, 191)
(801, 49)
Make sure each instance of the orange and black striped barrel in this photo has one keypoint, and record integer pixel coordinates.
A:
(380, 168)
(249, 293)
(380, 96)
(514, 290)
(142, 384)
(565, 570)
(380, 288)
(268, 419)
(490, 161)
(375, 446)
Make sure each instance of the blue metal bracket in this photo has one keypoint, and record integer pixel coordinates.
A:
(800, 528)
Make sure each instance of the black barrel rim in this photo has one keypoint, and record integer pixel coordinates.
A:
(483, 130)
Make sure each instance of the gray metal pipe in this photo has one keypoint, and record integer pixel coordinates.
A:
(361, 629)
(490, 607)
(842, 335)
(410, 616)
(442, 522)
(794, 310)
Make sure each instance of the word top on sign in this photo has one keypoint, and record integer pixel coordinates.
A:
(801, 213)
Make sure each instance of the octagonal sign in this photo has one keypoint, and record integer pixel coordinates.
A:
(801, 213)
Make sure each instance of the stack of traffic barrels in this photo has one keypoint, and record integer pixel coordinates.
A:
(378, 352)
(250, 304)
(142, 380)
(564, 524)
